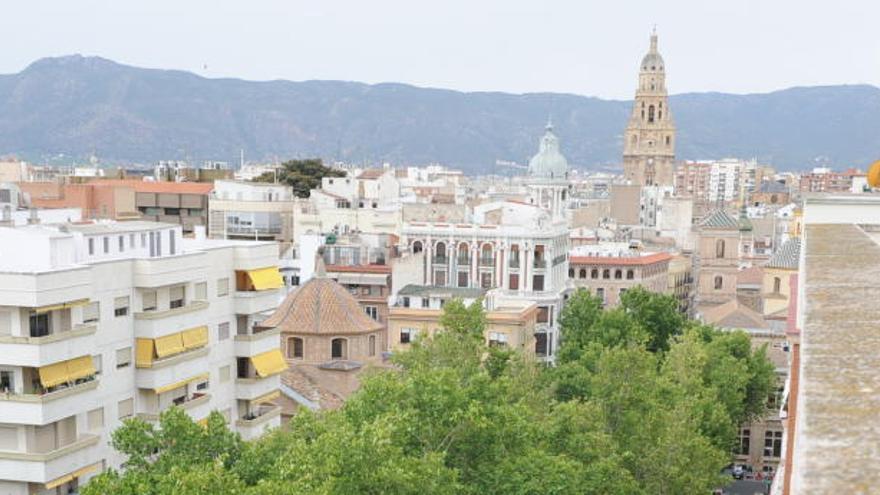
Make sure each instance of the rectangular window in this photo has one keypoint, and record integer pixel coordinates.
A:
(123, 357)
(543, 314)
(538, 283)
(39, 324)
(486, 280)
(772, 443)
(106, 245)
(149, 300)
(426, 302)
(202, 386)
(121, 244)
(125, 408)
(98, 361)
(600, 293)
(91, 312)
(514, 281)
(143, 240)
(131, 241)
(159, 243)
(744, 441)
(172, 241)
(91, 246)
(175, 296)
(96, 419)
(497, 339)
(5, 381)
(202, 291)
(225, 373)
(223, 331)
(541, 346)
(405, 302)
(372, 312)
(407, 335)
(222, 287)
(152, 244)
(120, 306)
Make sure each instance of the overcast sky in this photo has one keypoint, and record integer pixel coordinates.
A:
(589, 47)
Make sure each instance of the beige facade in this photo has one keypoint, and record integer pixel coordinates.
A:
(608, 277)
(649, 139)
(625, 203)
(722, 240)
(511, 325)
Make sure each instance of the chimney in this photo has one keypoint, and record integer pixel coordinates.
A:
(33, 218)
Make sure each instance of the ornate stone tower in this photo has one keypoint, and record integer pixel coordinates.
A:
(649, 146)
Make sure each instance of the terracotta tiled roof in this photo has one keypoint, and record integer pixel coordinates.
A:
(623, 260)
(787, 256)
(734, 315)
(372, 173)
(321, 306)
(359, 268)
(158, 187)
(750, 276)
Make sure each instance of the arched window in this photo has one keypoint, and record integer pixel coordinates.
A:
(651, 113)
(463, 258)
(371, 344)
(594, 273)
(583, 273)
(668, 140)
(294, 348)
(630, 274)
(417, 247)
(571, 273)
(719, 282)
(777, 285)
(719, 248)
(486, 256)
(440, 252)
(606, 273)
(618, 274)
(338, 349)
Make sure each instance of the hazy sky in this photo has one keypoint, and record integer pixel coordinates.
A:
(587, 47)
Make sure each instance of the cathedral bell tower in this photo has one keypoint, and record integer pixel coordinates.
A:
(649, 145)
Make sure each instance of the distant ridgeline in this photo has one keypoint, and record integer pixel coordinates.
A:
(78, 106)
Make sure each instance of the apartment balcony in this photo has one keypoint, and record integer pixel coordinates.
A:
(41, 409)
(31, 290)
(513, 263)
(197, 407)
(34, 352)
(439, 260)
(539, 264)
(463, 261)
(151, 324)
(255, 256)
(256, 423)
(179, 368)
(170, 270)
(256, 301)
(48, 466)
(487, 262)
(248, 345)
(252, 388)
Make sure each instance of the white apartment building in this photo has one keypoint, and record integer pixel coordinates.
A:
(252, 210)
(102, 322)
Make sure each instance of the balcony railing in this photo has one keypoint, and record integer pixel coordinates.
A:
(487, 261)
(440, 260)
(463, 260)
(88, 383)
(539, 263)
(259, 415)
(513, 263)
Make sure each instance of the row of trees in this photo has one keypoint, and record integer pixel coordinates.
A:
(641, 402)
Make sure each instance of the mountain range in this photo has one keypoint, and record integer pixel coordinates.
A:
(75, 106)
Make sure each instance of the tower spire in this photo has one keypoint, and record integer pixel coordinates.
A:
(654, 39)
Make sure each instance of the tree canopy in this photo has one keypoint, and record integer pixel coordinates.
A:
(301, 175)
(631, 408)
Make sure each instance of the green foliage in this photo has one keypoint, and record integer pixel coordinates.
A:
(658, 313)
(301, 175)
(631, 409)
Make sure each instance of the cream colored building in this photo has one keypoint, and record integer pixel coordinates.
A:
(101, 322)
(649, 139)
(416, 310)
(722, 242)
(608, 270)
(776, 288)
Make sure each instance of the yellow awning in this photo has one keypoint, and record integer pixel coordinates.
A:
(172, 386)
(70, 477)
(53, 374)
(195, 337)
(80, 367)
(266, 278)
(269, 363)
(55, 307)
(169, 345)
(144, 353)
(267, 397)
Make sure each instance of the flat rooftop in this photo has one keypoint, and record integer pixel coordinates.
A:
(837, 440)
